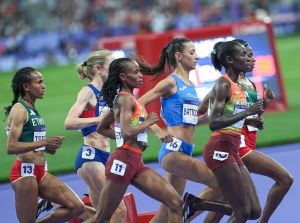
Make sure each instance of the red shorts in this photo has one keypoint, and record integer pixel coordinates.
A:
(20, 170)
(124, 164)
(222, 149)
(249, 142)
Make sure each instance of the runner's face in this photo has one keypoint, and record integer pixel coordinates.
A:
(189, 56)
(37, 85)
(251, 56)
(241, 60)
(134, 78)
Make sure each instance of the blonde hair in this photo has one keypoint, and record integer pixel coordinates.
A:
(85, 69)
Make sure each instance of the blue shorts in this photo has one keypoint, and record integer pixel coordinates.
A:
(90, 154)
(177, 145)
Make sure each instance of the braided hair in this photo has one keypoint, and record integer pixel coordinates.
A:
(220, 51)
(113, 84)
(167, 57)
(241, 41)
(21, 77)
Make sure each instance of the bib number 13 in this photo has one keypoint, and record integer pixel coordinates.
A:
(27, 169)
(118, 168)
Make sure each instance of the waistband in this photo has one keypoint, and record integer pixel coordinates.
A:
(96, 148)
(227, 132)
(18, 162)
(131, 148)
(185, 143)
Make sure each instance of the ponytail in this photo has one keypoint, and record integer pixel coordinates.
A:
(167, 57)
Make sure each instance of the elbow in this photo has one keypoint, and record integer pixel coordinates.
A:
(68, 125)
(10, 150)
(213, 126)
(99, 130)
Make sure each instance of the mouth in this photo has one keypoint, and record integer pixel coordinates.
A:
(251, 66)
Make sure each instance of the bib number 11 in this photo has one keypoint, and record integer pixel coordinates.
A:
(118, 168)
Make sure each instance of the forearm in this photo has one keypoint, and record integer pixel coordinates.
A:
(132, 132)
(24, 147)
(225, 121)
(79, 123)
(107, 132)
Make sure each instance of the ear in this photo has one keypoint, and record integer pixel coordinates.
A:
(178, 56)
(26, 87)
(122, 77)
(97, 67)
(229, 60)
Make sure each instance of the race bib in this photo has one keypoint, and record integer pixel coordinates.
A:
(249, 127)
(27, 169)
(118, 168)
(88, 152)
(37, 136)
(252, 129)
(238, 109)
(174, 145)
(221, 156)
(46, 166)
(189, 112)
(118, 134)
(103, 108)
(142, 136)
(243, 142)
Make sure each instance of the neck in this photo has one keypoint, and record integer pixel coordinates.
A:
(234, 76)
(30, 102)
(183, 74)
(126, 89)
(97, 82)
(242, 75)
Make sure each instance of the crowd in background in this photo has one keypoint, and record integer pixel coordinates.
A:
(62, 29)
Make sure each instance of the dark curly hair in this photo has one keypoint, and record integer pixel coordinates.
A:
(113, 83)
(220, 51)
(22, 76)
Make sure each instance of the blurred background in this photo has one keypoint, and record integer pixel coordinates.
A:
(54, 35)
(59, 32)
